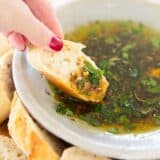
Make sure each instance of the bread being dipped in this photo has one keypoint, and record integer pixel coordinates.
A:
(70, 70)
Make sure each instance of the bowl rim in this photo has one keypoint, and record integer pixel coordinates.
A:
(70, 136)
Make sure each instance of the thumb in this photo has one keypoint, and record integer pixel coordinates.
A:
(34, 30)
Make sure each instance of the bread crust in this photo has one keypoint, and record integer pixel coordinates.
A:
(34, 142)
(6, 85)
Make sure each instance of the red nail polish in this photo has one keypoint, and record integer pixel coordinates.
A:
(56, 44)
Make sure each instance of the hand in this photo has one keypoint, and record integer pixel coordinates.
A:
(30, 20)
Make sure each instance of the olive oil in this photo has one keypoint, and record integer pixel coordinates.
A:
(129, 55)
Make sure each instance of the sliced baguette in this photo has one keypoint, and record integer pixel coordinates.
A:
(4, 45)
(33, 141)
(60, 68)
(9, 150)
(6, 85)
(75, 153)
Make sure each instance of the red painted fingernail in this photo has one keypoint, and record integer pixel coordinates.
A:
(56, 44)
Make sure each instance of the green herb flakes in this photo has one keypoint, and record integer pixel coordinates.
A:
(95, 74)
(126, 50)
(62, 109)
(133, 72)
(155, 42)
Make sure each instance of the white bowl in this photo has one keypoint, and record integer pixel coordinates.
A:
(31, 86)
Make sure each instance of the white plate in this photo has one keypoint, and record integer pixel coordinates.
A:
(31, 87)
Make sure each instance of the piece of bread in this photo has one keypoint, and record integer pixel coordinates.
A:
(33, 141)
(4, 45)
(9, 150)
(75, 153)
(67, 69)
(6, 85)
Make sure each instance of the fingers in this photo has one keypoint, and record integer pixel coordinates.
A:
(17, 40)
(46, 13)
(16, 16)
(35, 31)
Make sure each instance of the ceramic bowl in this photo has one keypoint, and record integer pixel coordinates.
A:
(32, 87)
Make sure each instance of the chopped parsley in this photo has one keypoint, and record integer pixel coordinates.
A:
(155, 42)
(95, 74)
(63, 110)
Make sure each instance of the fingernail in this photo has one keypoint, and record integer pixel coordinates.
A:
(56, 44)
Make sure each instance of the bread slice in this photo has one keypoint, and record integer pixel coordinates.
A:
(9, 150)
(33, 141)
(6, 85)
(71, 70)
(4, 45)
(75, 153)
